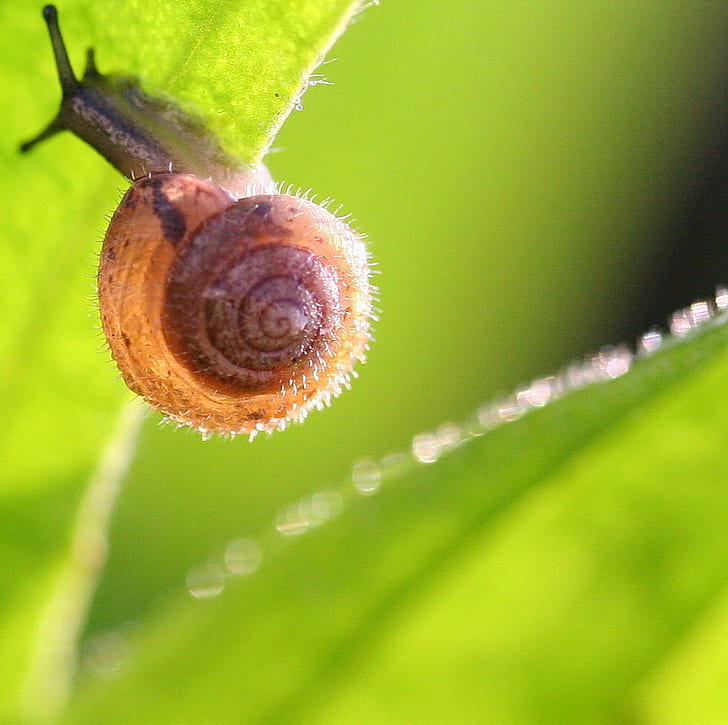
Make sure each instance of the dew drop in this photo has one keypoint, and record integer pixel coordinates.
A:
(425, 448)
(206, 582)
(366, 476)
(242, 556)
(538, 394)
(700, 312)
(650, 342)
(510, 410)
(721, 299)
(486, 419)
(680, 324)
(326, 505)
(613, 362)
(293, 520)
(104, 654)
(449, 436)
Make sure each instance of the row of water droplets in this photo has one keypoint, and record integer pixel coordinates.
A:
(243, 556)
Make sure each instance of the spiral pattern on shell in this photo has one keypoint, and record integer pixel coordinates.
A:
(259, 307)
(245, 305)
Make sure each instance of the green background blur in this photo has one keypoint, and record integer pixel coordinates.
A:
(536, 179)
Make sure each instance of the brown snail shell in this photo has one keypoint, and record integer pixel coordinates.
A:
(251, 312)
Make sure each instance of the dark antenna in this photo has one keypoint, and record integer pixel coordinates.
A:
(69, 82)
(65, 73)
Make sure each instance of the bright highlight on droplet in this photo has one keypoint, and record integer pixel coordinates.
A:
(242, 556)
(366, 476)
(293, 520)
(425, 448)
(700, 312)
(612, 362)
(721, 299)
(649, 342)
(537, 394)
(206, 582)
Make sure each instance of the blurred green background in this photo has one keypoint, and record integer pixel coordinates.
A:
(536, 179)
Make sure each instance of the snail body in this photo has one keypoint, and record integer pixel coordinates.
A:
(229, 313)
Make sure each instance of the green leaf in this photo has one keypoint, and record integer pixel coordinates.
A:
(549, 569)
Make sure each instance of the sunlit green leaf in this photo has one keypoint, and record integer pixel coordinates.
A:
(551, 566)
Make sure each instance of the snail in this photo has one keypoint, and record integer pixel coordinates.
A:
(229, 311)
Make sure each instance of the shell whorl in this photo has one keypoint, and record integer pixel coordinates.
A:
(250, 301)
